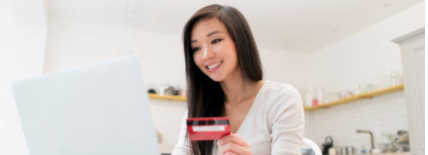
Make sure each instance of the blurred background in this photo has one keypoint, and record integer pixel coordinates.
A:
(358, 64)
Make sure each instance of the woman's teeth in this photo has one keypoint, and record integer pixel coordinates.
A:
(214, 65)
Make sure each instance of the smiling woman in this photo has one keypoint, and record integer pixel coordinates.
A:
(225, 79)
(210, 52)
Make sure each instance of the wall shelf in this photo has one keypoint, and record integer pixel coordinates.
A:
(358, 97)
(167, 97)
(324, 105)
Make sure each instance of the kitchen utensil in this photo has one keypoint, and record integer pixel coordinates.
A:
(350, 150)
(328, 143)
(332, 151)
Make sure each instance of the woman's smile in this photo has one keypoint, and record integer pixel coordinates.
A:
(213, 66)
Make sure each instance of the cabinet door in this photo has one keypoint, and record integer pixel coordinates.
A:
(413, 50)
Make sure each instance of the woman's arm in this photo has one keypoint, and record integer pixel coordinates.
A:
(183, 145)
(288, 123)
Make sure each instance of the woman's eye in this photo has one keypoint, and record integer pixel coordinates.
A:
(195, 49)
(216, 41)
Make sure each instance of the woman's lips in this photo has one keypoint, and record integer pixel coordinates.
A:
(214, 67)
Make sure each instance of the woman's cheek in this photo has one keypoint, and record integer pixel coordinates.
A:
(197, 57)
(217, 47)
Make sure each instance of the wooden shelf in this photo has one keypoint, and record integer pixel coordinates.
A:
(323, 105)
(358, 97)
(167, 97)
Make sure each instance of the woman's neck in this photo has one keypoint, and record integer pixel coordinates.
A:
(237, 89)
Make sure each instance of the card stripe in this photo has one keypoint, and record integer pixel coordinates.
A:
(208, 128)
(209, 122)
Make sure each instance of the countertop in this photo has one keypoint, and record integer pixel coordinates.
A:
(167, 149)
(389, 153)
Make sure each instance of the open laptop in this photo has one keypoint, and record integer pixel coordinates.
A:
(100, 109)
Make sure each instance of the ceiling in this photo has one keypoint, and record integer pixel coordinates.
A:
(290, 25)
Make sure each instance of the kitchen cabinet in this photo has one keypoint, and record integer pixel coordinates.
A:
(413, 57)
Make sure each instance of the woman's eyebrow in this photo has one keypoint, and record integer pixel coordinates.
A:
(214, 32)
(209, 34)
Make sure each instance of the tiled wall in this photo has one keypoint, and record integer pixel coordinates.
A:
(167, 116)
(381, 114)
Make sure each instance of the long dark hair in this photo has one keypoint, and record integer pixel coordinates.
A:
(205, 96)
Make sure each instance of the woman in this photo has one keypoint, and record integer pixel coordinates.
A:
(224, 77)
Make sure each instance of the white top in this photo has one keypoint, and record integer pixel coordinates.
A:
(274, 124)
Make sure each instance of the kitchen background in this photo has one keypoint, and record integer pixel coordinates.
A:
(354, 53)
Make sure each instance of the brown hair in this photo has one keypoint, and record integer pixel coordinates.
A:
(205, 96)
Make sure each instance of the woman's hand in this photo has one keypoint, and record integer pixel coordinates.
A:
(233, 145)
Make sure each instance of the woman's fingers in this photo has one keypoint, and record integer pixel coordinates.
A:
(230, 153)
(233, 144)
(232, 138)
(233, 148)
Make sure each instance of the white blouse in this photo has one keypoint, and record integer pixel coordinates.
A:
(274, 125)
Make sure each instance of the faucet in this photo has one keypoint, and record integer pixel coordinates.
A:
(371, 137)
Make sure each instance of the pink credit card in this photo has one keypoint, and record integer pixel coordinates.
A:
(207, 128)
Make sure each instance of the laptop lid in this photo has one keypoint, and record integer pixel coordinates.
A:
(99, 109)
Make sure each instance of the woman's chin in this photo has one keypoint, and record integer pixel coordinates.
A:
(217, 78)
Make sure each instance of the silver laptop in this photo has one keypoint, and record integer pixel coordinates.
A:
(100, 109)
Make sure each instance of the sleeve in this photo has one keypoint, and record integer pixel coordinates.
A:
(288, 122)
(183, 145)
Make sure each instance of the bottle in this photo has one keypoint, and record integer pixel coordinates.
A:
(314, 102)
(309, 96)
(331, 151)
(320, 96)
(363, 150)
(161, 91)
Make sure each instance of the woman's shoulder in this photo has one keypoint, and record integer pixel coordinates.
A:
(280, 99)
(280, 89)
(277, 95)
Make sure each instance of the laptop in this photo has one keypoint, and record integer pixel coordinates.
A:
(99, 109)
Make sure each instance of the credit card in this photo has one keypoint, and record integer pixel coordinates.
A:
(207, 128)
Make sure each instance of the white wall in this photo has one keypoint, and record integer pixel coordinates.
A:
(286, 67)
(22, 45)
(366, 54)
(361, 58)
(75, 43)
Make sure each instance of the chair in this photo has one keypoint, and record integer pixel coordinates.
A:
(312, 145)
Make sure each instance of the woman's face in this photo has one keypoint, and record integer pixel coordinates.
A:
(213, 49)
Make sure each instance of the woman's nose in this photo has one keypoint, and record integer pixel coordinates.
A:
(208, 53)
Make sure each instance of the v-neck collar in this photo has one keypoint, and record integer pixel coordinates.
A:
(252, 106)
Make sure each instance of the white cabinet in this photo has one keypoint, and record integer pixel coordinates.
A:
(413, 54)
